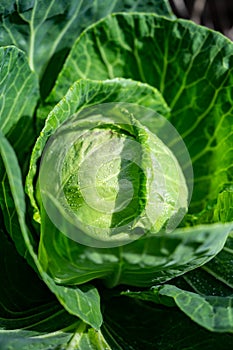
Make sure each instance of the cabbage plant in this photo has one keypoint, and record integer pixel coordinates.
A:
(116, 196)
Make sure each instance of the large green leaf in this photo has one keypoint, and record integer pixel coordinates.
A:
(221, 267)
(16, 121)
(9, 214)
(46, 30)
(214, 278)
(192, 68)
(75, 335)
(16, 82)
(204, 294)
(82, 302)
(142, 263)
(211, 312)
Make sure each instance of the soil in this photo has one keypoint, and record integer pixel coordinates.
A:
(215, 14)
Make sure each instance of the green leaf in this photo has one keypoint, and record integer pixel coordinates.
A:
(46, 30)
(6, 6)
(211, 312)
(190, 65)
(221, 266)
(86, 338)
(8, 209)
(19, 94)
(144, 262)
(123, 90)
(16, 82)
(75, 335)
(218, 210)
(215, 277)
(82, 302)
(10, 218)
(209, 300)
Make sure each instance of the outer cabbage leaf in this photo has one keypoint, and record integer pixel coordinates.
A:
(204, 294)
(211, 312)
(9, 214)
(75, 336)
(190, 65)
(16, 122)
(82, 302)
(144, 262)
(214, 278)
(46, 30)
(16, 82)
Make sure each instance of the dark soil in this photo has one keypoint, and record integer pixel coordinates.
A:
(215, 14)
